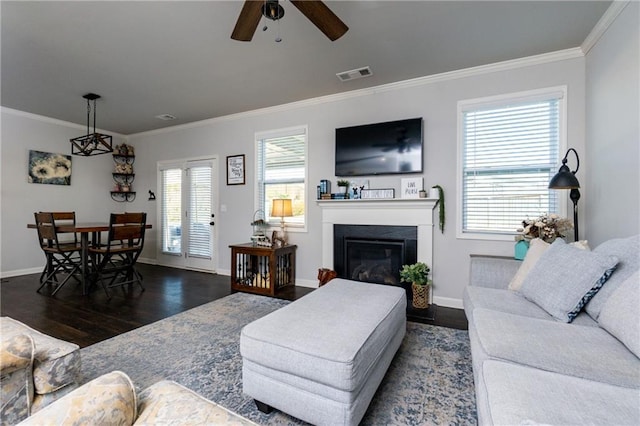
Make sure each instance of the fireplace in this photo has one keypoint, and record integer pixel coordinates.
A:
(373, 253)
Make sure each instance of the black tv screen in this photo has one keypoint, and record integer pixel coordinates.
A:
(394, 147)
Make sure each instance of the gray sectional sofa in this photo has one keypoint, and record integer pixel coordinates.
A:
(561, 346)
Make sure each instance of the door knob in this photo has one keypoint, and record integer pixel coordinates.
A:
(212, 223)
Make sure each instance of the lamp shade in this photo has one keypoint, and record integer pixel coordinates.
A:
(281, 207)
(564, 179)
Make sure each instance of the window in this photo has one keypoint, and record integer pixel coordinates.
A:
(508, 151)
(281, 161)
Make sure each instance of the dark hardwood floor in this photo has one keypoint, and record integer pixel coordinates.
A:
(86, 320)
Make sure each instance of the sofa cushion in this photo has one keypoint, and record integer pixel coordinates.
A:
(108, 399)
(536, 248)
(627, 250)
(510, 302)
(566, 278)
(56, 363)
(519, 395)
(620, 315)
(169, 403)
(587, 352)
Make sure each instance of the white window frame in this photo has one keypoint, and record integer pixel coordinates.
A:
(277, 133)
(499, 100)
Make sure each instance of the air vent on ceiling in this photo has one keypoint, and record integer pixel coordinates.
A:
(354, 74)
(166, 117)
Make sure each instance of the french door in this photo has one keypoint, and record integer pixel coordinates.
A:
(187, 215)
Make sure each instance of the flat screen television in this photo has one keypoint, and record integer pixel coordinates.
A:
(393, 147)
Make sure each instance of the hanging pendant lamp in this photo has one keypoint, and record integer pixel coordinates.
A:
(92, 143)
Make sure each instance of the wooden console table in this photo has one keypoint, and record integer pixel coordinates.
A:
(262, 270)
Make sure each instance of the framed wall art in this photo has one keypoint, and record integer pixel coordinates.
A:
(235, 170)
(49, 168)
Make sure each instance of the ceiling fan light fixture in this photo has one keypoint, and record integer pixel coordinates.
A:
(272, 10)
(92, 143)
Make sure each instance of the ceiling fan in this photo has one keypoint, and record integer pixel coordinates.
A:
(316, 11)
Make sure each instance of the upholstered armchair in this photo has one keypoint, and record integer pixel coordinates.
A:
(35, 369)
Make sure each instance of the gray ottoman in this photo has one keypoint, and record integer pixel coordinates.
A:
(322, 357)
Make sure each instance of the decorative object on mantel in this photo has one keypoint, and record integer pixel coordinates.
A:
(92, 143)
(440, 203)
(418, 275)
(566, 179)
(422, 193)
(410, 187)
(45, 167)
(382, 194)
(343, 186)
(281, 207)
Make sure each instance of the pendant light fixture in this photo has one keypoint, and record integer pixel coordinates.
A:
(91, 143)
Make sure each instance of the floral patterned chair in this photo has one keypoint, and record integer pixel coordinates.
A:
(36, 369)
(112, 399)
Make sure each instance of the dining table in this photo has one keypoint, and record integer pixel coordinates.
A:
(84, 229)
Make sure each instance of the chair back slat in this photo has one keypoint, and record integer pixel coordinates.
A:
(46, 229)
(127, 229)
(65, 218)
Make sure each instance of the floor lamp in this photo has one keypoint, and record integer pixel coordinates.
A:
(566, 179)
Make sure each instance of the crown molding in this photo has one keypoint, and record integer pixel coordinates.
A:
(54, 121)
(420, 81)
(603, 24)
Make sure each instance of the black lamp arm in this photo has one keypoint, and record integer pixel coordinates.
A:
(564, 160)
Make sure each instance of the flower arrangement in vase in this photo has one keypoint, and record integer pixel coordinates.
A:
(547, 227)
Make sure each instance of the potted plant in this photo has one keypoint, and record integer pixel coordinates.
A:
(343, 184)
(418, 275)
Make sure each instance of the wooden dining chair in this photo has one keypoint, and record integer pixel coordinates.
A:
(61, 257)
(115, 260)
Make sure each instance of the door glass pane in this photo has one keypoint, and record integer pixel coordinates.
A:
(171, 210)
(200, 212)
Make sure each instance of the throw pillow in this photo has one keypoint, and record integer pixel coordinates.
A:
(536, 248)
(620, 315)
(565, 278)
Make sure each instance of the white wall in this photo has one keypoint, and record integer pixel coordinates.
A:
(613, 130)
(88, 194)
(434, 99)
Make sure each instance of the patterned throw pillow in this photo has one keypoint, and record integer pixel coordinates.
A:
(536, 248)
(565, 278)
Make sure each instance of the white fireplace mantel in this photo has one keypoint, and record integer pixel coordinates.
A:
(395, 212)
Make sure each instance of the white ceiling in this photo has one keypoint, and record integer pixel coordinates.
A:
(161, 57)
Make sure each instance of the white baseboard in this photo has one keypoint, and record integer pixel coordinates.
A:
(18, 272)
(449, 302)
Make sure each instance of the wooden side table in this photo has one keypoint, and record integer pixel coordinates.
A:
(262, 270)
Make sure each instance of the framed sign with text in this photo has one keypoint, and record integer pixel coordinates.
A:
(235, 169)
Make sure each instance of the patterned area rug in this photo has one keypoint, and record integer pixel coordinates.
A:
(430, 381)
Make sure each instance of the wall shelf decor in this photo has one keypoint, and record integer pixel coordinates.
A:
(123, 176)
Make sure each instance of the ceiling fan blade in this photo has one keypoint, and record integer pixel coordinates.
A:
(248, 20)
(322, 17)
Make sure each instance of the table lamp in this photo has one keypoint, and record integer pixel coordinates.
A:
(281, 207)
(566, 179)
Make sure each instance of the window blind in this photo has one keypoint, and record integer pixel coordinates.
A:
(171, 210)
(510, 152)
(281, 170)
(200, 212)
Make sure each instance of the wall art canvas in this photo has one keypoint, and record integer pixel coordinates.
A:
(46, 167)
